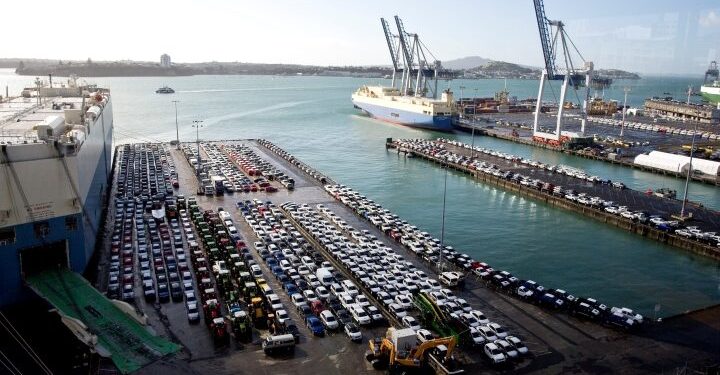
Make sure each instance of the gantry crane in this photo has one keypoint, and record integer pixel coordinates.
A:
(553, 37)
(408, 56)
(394, 48)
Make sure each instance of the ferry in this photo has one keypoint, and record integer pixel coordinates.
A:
(388, 104)
(165, 90)
(56, 146)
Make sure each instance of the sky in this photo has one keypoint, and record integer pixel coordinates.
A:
(650, 36)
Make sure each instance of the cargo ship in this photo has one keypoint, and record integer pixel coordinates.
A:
(388, 104)
(56, 163)
(413, 101)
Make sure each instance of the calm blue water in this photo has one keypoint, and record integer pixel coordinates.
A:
(312, 117)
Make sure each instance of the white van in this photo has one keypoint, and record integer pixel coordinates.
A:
(279, 343)
(450, 279)
(325, 276)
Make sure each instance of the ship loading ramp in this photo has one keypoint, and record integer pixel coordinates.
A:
(99, 322)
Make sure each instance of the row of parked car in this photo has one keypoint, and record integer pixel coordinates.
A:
(156, 241)
(654, 127)
(451, 255)
(294, 161)
(145, 170)
(655, 220)
(428, 249)
(305, 276)
(561, 169)
(254, 165)
(394, 282)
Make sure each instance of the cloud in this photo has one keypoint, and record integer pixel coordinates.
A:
(711, 19)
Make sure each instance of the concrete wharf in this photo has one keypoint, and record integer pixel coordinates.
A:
(559, 343)
(705, 219)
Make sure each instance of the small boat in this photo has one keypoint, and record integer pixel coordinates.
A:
(165, 90)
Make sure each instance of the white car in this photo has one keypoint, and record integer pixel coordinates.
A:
(424, 335)
(398, 310)
(477, 337)
(310, 295)
(480, 316)
(494, 353)
(329, 320)
(353, 332)
(498, 330)
(281, 316)
(193, 314)
(404, 300)
(487, 333)
(507, 348)
(275, 302)
(628, 313)
(298, 299)
(410, 322)
(519, 346)
(464, 306)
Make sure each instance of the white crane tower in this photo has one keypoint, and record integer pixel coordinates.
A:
(553, 37)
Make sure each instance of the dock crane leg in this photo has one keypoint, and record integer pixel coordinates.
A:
(563, 93)
(538, 106)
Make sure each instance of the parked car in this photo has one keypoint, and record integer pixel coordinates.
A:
(353, 332)
(315, 325)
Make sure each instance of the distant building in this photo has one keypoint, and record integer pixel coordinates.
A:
(165, 60)
(676, 110)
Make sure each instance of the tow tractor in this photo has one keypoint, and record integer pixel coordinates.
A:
(219, 332)
(211, 310)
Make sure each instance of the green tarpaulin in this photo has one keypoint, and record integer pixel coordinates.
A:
(130, 344)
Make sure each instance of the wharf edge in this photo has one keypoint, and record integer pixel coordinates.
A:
(617, 221)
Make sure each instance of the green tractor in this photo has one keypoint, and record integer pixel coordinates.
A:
(240, 323)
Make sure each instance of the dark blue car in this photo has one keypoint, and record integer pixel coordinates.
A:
(315, 326)
(291, 289)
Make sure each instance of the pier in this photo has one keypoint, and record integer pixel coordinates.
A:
(557, 341)
(706, 219)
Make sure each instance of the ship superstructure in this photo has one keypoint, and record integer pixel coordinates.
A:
(411, 98)
(55, 163)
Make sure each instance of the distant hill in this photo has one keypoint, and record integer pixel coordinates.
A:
(465, 63)
(616, 74)
(501, 69)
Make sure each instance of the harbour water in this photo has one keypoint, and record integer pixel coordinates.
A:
(312, 117)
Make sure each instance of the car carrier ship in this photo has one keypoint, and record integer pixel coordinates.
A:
(56, 158)
(413, 101)
(388, 104)
(710, 90)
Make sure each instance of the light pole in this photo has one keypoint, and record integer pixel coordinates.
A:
(472, 123)
(177, 130)
(197, 124)
(687, 178)
(622, 125)
(442, 227)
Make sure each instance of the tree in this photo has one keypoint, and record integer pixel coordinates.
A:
(60, 62)
(21, 65)
(89, 61)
